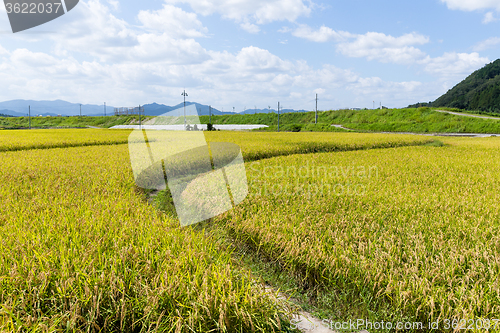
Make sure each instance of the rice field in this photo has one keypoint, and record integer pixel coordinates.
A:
(409, 233)
(81, 249)
(258, 146)
(61, 138)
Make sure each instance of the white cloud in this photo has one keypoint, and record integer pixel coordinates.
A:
(256, 60)
(385, 48)
(323, 34)
(487, 44)
(219, 78)
(163, 48)
(260, 11)
(385, 91)
(489, 17)
(114, 3)
(250, 28)
(174, 21)
(285, 30)
(94, 30)
(32, 59)
(129, 66)
(372, 45)
(400, 50)
(3, 51)
(471, 5)
(454, 65)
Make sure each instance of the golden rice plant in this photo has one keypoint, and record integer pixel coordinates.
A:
(82, 250)
(13, 140)
(419, 229)
(259, 145)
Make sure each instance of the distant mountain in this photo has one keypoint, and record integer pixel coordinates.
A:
(479, 91)
(155, 109)
(10, 113)
(19, 107)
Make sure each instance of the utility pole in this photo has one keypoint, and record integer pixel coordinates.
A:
(80, 110)
(140, 117)
(210, 113)
(29, 116)
(373, 105)
(184, 94)
(104, 109)
(278, 116)
(316, 114)
(233, 109)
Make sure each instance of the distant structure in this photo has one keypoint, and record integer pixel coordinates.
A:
(129, 111)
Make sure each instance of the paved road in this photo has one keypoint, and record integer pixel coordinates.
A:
(468, 115)
(342, 127)
(471, 135)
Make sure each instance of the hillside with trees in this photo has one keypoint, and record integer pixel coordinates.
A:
(479, 91)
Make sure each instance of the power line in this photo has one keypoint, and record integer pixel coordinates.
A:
(184, 94)
(316, 114)
(278, 116)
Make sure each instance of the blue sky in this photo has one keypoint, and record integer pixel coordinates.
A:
(249, 53)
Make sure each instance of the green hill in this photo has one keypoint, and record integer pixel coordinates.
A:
(421, 120)
(8, 122)
(479, 91)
